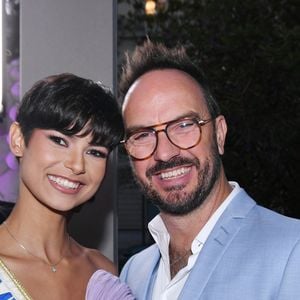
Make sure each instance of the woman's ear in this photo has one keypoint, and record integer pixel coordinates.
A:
(221, 131)
(16, 140)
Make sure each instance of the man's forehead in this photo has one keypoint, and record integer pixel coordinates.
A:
(157, 79)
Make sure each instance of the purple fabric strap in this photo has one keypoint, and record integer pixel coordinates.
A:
(103, 285)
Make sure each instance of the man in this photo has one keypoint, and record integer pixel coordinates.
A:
(212, 240)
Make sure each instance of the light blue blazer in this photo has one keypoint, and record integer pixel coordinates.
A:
(252, 254)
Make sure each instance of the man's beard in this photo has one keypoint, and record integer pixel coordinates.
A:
(178, 202)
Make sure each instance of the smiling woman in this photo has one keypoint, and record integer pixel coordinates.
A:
(65, 129)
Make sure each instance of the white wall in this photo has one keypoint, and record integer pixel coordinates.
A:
(74, 36)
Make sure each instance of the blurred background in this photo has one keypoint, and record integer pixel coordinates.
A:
(9, 100)
(249, 51)
(41, 38)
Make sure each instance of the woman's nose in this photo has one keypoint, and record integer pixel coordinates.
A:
(75, 162)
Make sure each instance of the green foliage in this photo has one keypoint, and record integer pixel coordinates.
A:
(249, 50)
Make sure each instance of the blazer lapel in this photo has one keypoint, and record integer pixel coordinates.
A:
(220, 238)
(144, 277)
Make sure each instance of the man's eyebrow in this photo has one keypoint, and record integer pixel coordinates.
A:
(135, 128)
(190, 114)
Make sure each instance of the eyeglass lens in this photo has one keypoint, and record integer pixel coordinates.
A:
(184, 134)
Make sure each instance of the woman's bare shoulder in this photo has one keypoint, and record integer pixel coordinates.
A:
(100, 261)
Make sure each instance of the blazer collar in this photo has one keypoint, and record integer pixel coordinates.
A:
(220, 238)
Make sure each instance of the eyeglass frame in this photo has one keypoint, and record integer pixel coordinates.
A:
(200, 122)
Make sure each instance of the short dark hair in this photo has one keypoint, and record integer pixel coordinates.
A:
(67, 103)
(156, 56)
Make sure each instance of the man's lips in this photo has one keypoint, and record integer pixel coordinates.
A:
(178, 172)
(173, 178)
(175, 167)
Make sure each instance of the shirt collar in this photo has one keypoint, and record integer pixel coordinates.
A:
(161, 236)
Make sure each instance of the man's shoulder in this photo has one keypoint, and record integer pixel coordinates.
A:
(265, 224)
(278, 221)
(143, 262)
(146, 253)
(244, 206)
(258, 222)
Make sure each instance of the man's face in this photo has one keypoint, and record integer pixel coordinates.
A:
(176, 180)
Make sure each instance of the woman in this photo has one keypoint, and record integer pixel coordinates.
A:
(65, 130)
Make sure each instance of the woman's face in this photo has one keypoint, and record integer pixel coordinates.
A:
(59, 171)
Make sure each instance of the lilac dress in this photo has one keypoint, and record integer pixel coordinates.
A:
(106, 286)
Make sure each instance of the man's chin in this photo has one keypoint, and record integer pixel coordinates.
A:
(178, 209)
(174, 202)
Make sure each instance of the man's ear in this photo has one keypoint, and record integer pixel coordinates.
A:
(221, 131)
(16, 140)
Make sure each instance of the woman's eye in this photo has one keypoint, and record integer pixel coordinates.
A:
(98, 153)
(58, 140)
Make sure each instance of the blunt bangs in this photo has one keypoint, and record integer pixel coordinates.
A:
(68, 104)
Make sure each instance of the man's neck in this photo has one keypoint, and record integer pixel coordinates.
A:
(183, 229)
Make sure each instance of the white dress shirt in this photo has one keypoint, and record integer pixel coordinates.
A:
(164, 287)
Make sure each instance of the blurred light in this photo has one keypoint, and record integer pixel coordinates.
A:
(3, 166)
(4, 149)
(150, 7)
(1, 57)
(13, 113)
(7, 138)
(162, 5)
(14, 69)
(10, 7)
(15, 90)
(11, 161)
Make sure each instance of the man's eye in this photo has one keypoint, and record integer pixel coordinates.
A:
(142, 136)
(58, 140)
(98, 153)
(183, 127)
(186, 124)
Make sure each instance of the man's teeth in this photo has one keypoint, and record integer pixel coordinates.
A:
(175, 173)
(64, 182)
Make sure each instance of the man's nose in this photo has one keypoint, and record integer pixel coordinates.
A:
(75, 162)
(165, 150)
